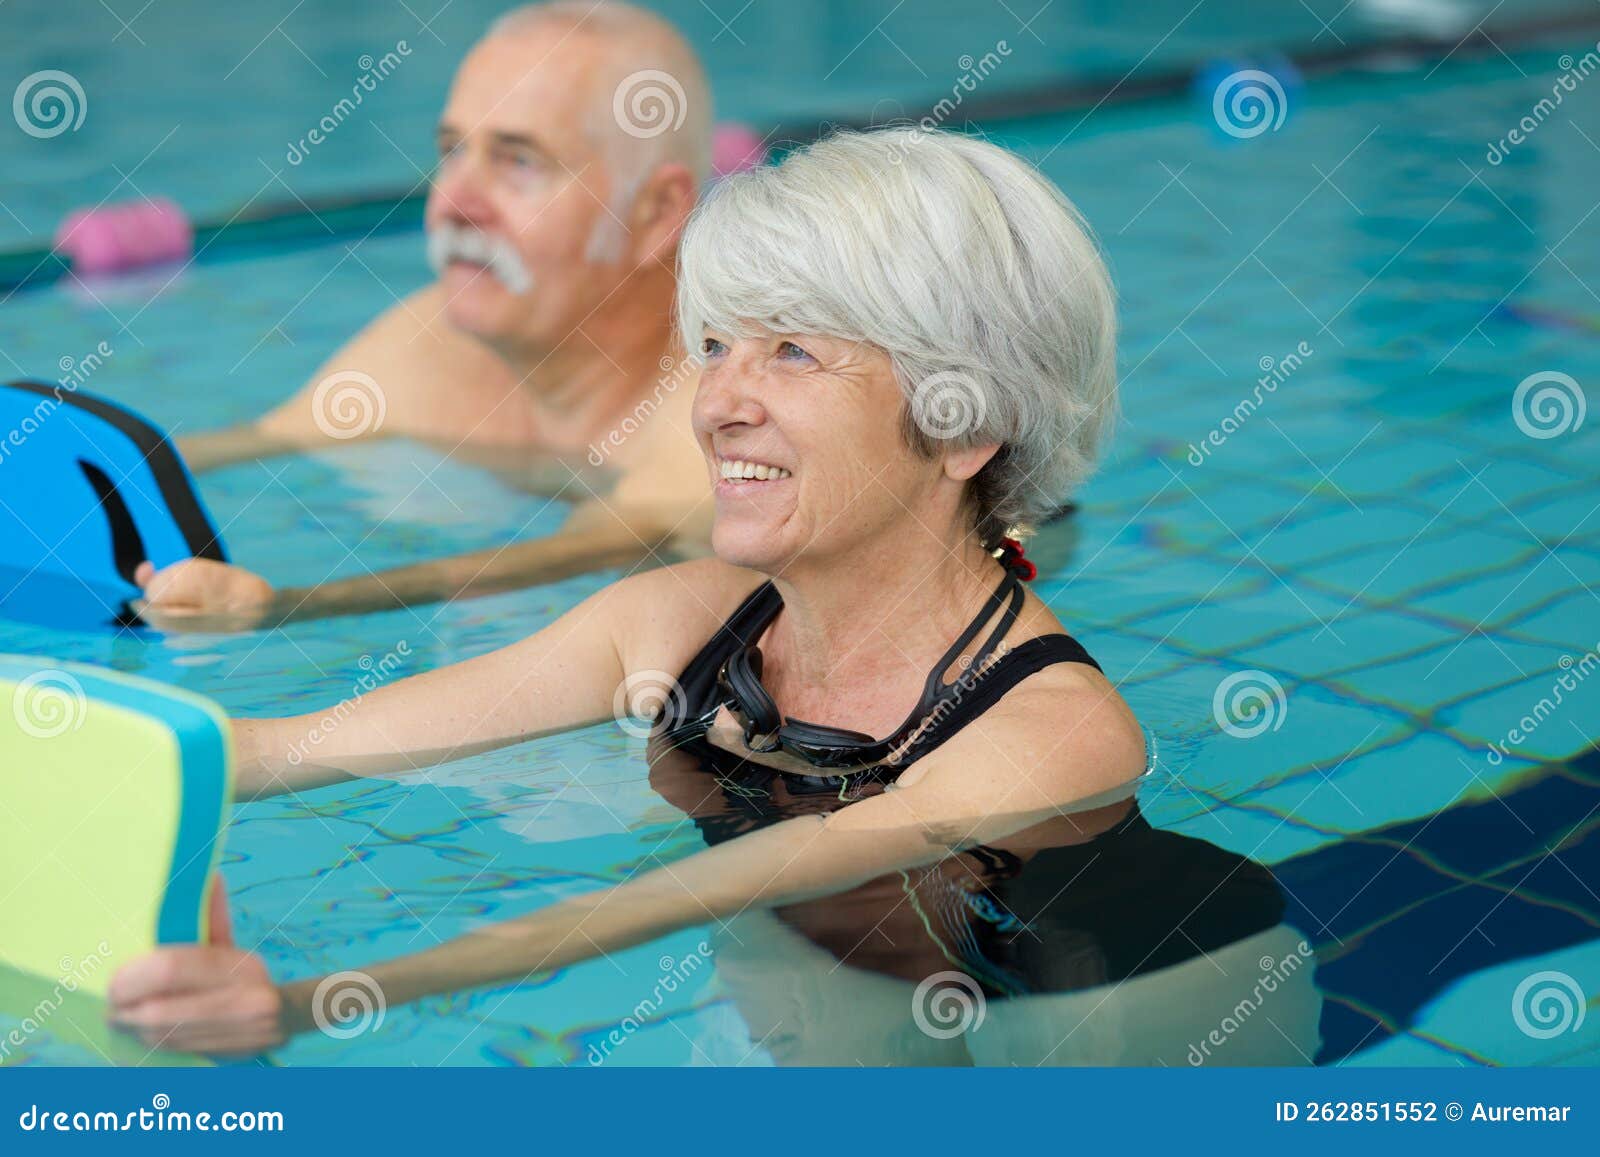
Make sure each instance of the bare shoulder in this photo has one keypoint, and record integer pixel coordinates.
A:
(1060, 735)
(663, 617)
(403, 363)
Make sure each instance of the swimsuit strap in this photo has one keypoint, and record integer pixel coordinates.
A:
(751, 617)
(1025, 659)
(698, 679)
(935, 690)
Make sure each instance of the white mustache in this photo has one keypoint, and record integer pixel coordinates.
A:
(449, 242)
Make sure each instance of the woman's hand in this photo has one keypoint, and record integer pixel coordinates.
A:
(200, 998)
(202, 594)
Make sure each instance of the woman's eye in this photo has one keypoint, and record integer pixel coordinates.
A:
(711, 347)
(789, 350)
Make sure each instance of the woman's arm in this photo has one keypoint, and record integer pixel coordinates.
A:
(1052, 748)
(562, 677)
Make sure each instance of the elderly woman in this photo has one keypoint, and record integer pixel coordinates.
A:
(908, 345)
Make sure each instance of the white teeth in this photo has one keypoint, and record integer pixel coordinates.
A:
(737, 469)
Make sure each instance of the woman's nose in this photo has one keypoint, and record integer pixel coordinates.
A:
(727, 395)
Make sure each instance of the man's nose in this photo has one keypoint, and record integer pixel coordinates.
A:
(460, 190)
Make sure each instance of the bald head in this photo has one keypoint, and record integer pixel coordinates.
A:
(572, 147)
(648, 99)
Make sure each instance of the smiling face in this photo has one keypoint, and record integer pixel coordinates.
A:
(519, 174)
(808, 459)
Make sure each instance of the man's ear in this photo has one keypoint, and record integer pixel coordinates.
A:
(961, 465)
(660, 211)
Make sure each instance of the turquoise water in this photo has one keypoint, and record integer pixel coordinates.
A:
(1379, 540)
(200, 102)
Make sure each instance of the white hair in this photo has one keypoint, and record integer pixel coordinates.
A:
(651, 72)
(976, 276)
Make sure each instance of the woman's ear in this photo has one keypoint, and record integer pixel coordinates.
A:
(961, 465)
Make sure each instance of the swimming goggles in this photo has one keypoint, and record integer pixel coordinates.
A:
(766, 730)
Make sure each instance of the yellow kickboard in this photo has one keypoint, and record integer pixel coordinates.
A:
(113, 794)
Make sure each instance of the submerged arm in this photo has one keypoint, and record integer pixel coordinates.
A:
(1002, 774)
(217, 448)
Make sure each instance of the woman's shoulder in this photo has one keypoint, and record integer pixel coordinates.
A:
(664, 616)
(1063, 729)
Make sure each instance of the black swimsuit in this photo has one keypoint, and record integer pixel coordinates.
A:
(945, 708)
(1072, 910)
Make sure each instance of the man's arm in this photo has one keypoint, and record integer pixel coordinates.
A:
(659, 511)
(217, 448)
(202, 595)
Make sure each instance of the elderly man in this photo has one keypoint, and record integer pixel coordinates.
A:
(571, 151)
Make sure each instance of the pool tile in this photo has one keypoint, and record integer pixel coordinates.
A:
(1450, 673)
(1481, 1012)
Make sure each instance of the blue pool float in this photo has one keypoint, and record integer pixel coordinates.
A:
(88, 491)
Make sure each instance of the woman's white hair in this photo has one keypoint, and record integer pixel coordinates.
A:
(976, 276)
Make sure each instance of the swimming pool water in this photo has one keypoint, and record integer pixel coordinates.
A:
(1379, 539)
(201, 102)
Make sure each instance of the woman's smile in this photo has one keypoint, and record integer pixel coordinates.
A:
(748, 478)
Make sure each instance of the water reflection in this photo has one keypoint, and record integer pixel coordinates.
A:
(1089, 939)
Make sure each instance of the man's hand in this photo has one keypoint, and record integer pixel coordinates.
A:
(199, 594)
